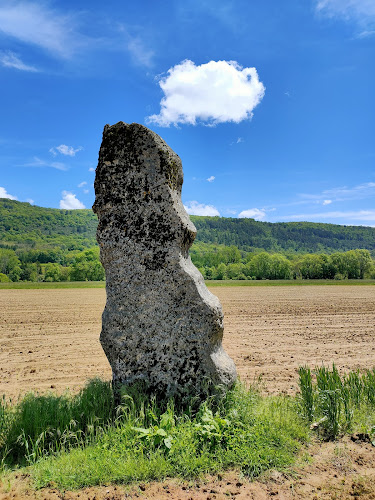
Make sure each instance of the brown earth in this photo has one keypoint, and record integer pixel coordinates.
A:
(49, 340)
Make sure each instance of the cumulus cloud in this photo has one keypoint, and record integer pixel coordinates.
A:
(211, 179)
(69, 201)
(65, 150)
(327, 202)
(253, 213)
(195, 208)
(91, 169)
(211, 93)
(81, 184)
(4, 194)
(11, 60)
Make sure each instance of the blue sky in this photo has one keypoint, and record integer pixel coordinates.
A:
(270, 105)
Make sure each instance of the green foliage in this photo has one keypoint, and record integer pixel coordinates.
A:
(293, 237)
(87, 266)
(49, 245)
(335, 401)
(41, 425)
(10, 264)
(144, 439)
(84, 440)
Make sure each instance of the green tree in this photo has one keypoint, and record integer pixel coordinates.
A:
(260, 266)
(30, 271)
(220, 272)
(10, 264)
(87, 266)
(311, 267)
(280, 268)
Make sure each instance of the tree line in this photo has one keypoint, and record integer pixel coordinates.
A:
(50, 265)
(25, 226)
(217, 262)
(46, 244)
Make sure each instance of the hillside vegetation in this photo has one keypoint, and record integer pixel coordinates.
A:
(24, 225)
(46, 244)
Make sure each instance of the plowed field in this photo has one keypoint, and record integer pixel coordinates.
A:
(49, 338)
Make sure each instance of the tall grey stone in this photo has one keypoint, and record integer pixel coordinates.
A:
(160, 323)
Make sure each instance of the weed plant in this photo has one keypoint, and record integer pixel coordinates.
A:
(337, 403)
(78, 441)
(150, 440)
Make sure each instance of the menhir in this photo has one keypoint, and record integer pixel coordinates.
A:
(160, 325)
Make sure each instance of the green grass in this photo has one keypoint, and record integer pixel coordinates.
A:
(26, 285)
(213, 283)
(338, 404)
(43, 424)
(72, 442)
(210, 283)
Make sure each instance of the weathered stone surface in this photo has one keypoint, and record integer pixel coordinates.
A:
(160, 324)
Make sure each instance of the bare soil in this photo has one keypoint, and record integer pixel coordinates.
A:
(49, 340)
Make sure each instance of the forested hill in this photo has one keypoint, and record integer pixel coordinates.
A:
(25, 225)
(300, 237)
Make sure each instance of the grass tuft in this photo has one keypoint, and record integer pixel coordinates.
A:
(40, 425)
(337, 404)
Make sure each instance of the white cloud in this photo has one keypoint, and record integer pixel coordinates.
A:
(212, 93)
(35, 23)
(361, 11)
(69, 201)
(343, 193)
(238, 141)
(86, 191)
(356, 215)
(347, 7)
(81, 184)
(4, 194)
(140, 54)
(135, 45)
(253, 213)
(211, 179)
(37, 162)
(195, 208)
(327, 202)
(65, 150)
(11, 60)
(366, 34)
(91, 169)
(29, 200)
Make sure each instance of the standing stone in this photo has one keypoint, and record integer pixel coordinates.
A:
(161, 324)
